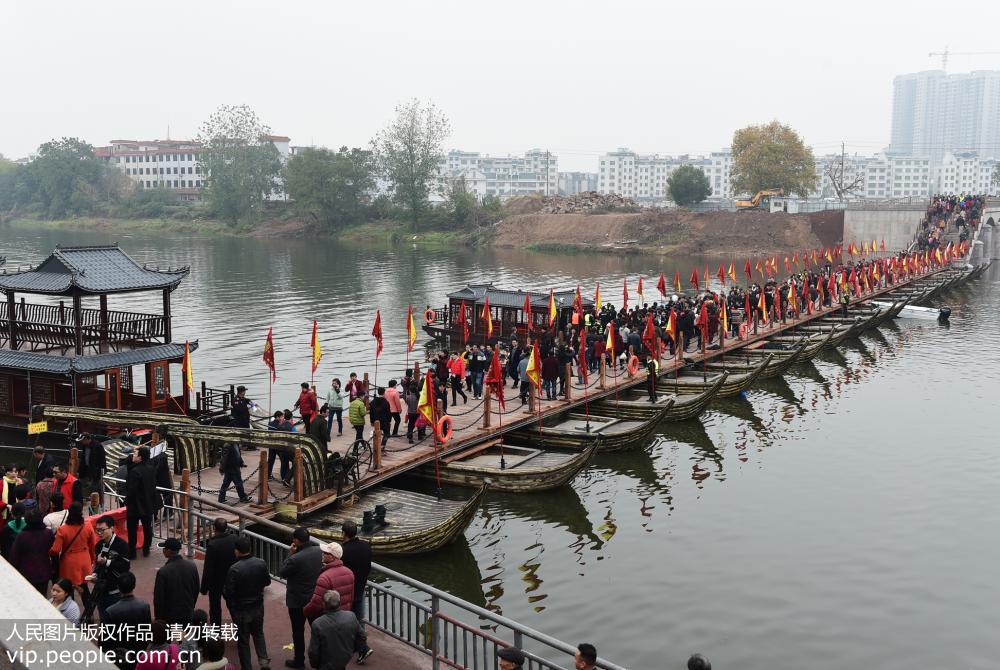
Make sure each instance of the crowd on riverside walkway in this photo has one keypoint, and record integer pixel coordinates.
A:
(962, 211)
(86, 570)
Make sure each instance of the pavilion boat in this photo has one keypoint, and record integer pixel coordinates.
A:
(71, 348)
(506, 310)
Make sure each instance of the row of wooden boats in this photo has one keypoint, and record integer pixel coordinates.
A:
(543, 455)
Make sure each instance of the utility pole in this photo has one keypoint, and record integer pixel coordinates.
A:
(546, 172)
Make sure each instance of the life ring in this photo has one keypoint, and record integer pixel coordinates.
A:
(633, 365)
(429, 316)
(444, 429)
(744, 330)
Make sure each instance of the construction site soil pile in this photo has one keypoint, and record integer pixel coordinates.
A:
(659, 231)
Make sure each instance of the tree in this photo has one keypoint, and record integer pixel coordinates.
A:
(688, 184)
(240, 164)
(64, 178)
(333, 188)
(771, 156)
(409, 152)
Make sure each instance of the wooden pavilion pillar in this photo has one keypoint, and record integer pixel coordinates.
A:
(103, 345)
(167, 335)
(78, 323)
(11, 320)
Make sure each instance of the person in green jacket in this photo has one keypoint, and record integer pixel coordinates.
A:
(356, 414)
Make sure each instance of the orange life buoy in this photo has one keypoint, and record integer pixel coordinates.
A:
(444, 429)
(633, 365)
(744, 330)
(429, 316)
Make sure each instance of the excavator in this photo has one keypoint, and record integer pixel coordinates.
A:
(758, 198)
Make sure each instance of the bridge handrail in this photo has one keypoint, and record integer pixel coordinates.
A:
(383, 604)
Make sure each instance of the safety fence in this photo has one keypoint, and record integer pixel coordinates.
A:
(454, 633)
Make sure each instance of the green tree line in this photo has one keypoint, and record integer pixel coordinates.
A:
(392, 179)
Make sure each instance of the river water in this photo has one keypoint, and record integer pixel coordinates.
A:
(843, 516)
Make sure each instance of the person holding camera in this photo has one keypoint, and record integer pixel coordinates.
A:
(111, 563)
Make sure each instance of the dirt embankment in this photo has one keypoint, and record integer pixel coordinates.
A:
(663, 231)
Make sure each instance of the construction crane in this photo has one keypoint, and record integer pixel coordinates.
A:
(944, 55)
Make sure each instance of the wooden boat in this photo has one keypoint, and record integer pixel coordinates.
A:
(633, 403)
(575, 431)
(777, 367)
(416, 522)
(525, 468)
(693, 380)
(836, 336)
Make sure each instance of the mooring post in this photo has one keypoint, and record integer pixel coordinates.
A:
(300, 488)
(367, 391)
(377, 445)
(74, 463)
(262, 473)
(604, 371)
(568, 386)
(532, 390)
(486, 407)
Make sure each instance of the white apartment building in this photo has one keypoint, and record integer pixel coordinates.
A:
(172, 164)
(964, 173)
(536, 171)
(643, 177)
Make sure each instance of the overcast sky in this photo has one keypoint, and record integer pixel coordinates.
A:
(577, 78)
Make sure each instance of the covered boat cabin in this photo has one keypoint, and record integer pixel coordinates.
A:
(68, 347)
(507, 309)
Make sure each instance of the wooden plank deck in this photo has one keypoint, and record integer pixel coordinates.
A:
(399, 456)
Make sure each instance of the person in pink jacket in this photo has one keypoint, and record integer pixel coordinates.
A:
(335, 576)
(395, 406)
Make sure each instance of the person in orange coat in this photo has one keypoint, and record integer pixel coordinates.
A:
(75, 540)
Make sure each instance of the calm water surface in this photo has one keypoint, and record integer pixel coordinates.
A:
(844, 516)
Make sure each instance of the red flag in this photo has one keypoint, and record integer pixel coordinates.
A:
(661, 285)
(582, 355)
(465, 323)
(649, 335)
(527, 312)
(494, 379)
(578, 305)
(721, 274)
(694, 278)
(883, 244)
(269, 355)
(677, 282)
(747, 271)
(805, 258)
(788, 268)
(377, 333)
(638, 289)
(625, 294)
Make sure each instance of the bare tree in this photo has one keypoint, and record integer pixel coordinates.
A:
(835, 172)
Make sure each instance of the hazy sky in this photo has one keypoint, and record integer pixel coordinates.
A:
(576, 78)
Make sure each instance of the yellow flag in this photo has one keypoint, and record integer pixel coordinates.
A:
(534, 370)
(597, 298)
(552, 309)
(317, 351)
(426, 403)
(188, 372)
(411, 330)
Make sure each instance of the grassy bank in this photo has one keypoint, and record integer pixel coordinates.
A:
(157, 226)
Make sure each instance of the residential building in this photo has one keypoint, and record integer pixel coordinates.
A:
(536, 171)
(172, 164)
(934, 112)
(643, 177)
(571, 183)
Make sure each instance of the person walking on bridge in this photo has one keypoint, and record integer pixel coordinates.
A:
(300, 572)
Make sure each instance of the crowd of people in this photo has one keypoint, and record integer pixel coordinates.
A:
(80, 561)
(963, 211)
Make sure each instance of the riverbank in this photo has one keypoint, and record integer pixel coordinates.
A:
(375, 232)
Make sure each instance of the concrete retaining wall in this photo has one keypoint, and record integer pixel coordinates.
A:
(896, 227)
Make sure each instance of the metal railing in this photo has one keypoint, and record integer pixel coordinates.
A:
(453, 632)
